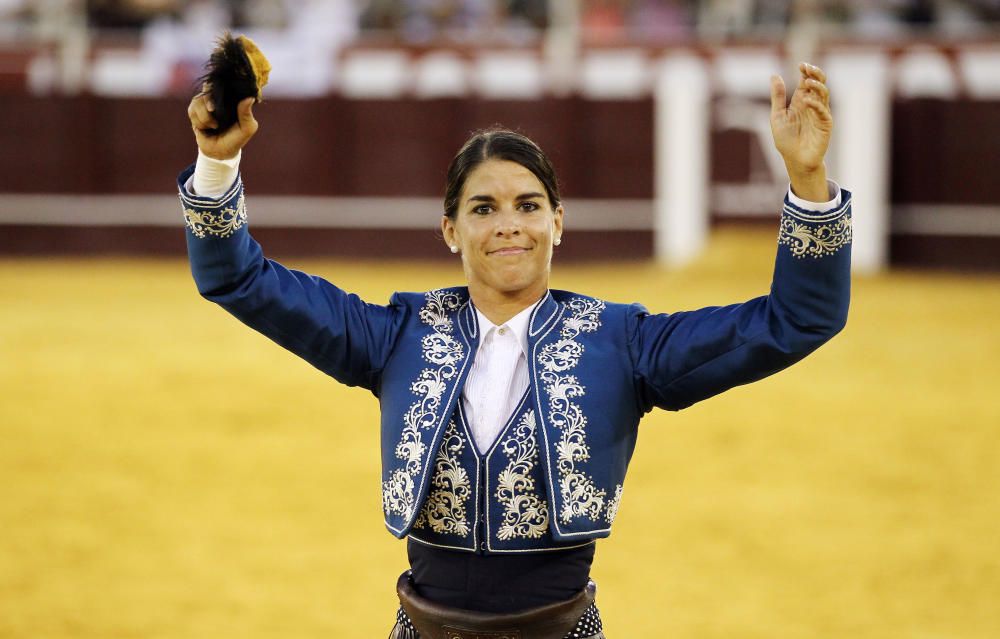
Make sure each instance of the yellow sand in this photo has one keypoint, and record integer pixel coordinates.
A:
(165, 472)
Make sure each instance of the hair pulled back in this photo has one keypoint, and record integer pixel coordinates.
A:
(497, 144)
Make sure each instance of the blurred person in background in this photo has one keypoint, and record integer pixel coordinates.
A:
(381, 15)
(302, 37)
(509, 410)
(130, 14)
(40, 19)
(428, 20)
(899, 18)
(603, 20)
(305, 37)
(724, 17)
(14, 14)
(656, 20)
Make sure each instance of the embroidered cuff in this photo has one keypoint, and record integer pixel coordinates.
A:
(816, 234)
(216, 217)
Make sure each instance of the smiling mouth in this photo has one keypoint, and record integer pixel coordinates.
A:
(509, 250)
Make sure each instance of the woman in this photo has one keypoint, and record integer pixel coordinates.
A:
(510, 411)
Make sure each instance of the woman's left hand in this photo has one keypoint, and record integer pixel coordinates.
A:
(802, 130)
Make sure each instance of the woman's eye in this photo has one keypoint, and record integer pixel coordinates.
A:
(482, 210)
(529, 206)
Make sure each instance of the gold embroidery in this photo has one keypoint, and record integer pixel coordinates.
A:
(443, 351)
(444, 509)
(814, 240)
(580, 497)
(525, 513)
(222, 223)
(613, 505)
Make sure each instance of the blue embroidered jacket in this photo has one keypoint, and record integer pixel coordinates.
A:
(554, 476)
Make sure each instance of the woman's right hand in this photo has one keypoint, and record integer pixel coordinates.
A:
(228, 144)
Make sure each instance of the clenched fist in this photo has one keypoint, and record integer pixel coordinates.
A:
(227, 144)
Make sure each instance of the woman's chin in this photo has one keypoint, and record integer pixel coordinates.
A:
(516, 285)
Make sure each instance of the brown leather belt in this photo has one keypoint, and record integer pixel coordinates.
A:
(434, 621)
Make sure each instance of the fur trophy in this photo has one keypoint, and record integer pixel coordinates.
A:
(236, 70)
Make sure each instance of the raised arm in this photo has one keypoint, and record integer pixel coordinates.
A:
(682, 358)
(335, 331)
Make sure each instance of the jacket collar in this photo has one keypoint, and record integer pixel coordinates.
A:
(542, 317)
(546, 311)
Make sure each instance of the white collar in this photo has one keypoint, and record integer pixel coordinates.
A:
(517, 325)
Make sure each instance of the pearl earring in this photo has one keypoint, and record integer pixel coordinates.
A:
(454, 249)
(557, 241)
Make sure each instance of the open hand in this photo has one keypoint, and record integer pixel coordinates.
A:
(229, 143)
(802, 130)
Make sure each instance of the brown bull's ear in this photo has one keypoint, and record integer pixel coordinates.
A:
(235, 71)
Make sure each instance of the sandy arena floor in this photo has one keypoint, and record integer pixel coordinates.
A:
(166, 473)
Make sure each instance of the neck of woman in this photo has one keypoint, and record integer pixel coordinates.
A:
(500, 306)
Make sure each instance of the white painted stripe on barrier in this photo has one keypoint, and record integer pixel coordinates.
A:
(295, 211)
(946, 219)
(418, 213)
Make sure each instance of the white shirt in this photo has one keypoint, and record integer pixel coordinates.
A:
(498, 376)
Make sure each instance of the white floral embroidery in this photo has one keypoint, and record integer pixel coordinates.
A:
(580, 497)
(525, 513)
(221, 223)
(444, 509)
(443, 351)
(613, 505)
(813, 240)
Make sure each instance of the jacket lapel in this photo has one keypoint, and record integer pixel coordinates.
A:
(447, 347)
(560, 397)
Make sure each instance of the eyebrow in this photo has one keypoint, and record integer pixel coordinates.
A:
(490, 198)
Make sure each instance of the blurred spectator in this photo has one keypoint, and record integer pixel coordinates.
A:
(300, 37)
(724, 17)
(426, 20)
(658, 20)
(603, 20)
(382, 15)
(899, 18)
(129, 14)
(918, 13)
(263, 14)
(40, 20)
(532, 14)
(303, 37)
(773, 15)
(965, 17)
(14, 10)
(14, 16)
(876, 18)
(600, 20)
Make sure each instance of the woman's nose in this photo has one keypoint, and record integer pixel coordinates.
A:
(508, 223)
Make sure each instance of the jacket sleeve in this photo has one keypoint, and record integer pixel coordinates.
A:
(334, 331)
(682, 358)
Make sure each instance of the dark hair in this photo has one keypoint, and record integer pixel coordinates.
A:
(497, 144)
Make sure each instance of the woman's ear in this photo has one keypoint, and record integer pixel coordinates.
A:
(557, 222)
(448, 233)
